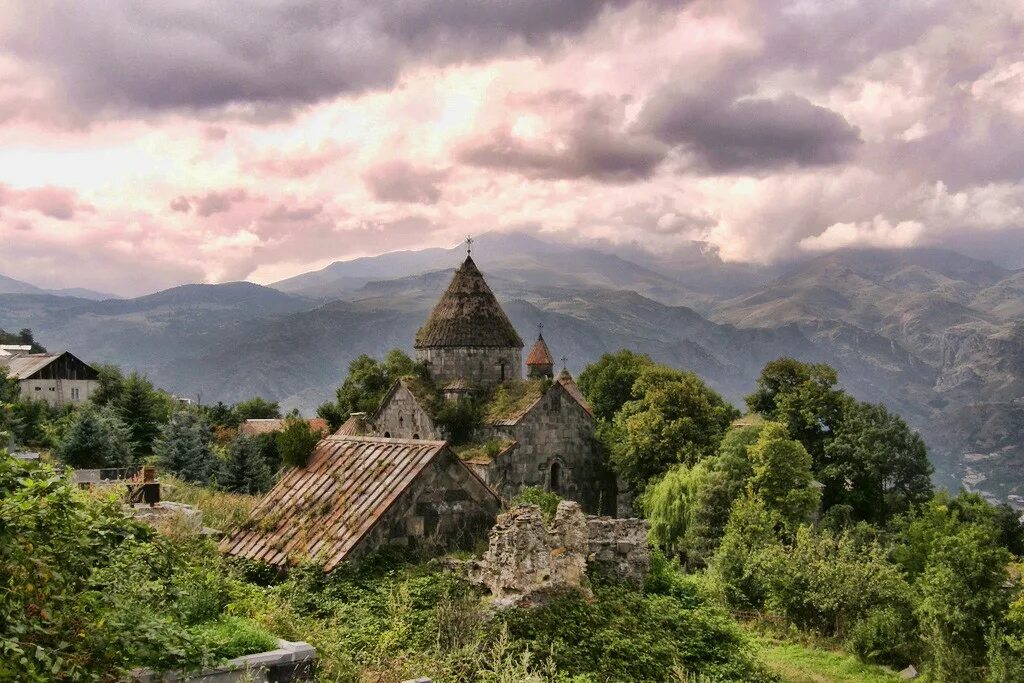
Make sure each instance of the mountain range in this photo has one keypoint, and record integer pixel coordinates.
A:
(935, 335)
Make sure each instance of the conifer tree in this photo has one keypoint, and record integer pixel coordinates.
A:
(245, 470)
(139, 407)
(185, 447)
(87, 444)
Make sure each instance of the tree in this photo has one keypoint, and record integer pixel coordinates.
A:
(185, 447)
(962, 600)
(804, 397)
(95, 440)
(256, 408)
(782, 477)
(875, 464)
(109, 384)
(245, 470)
(142, 409)
(751, 528)
(296, 441)
(675, 418)
(366, 383)
(608, 383)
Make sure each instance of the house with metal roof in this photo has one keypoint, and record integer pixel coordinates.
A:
(545, 425)
(57, 378)
(357, 494)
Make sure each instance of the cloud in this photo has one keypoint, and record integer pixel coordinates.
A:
(749, 133)
(197, 55)
(210, 203)
(589, 142)
(55, 202)
(400, 181)
(879, 233)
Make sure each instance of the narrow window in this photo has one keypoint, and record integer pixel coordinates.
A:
(555, 477)
(502, 365)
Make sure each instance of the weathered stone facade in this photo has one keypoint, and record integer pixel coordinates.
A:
(482, 366)
(402, 417)
(446, 508)
(526, 562)
(555, 450)
(618, 548)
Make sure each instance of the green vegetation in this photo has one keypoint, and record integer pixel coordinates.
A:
(796, 663)
(366, 383)
(88, 594)
(295, 443)
(221, 510)
(547, 501)
(510, 399)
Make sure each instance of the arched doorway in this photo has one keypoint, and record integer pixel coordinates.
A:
(555, 477)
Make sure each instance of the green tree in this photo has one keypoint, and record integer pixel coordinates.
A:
(367, 381)
(143, 410)
(256, 408)
(608, 383)
(782, 477)
(962, 599)
(751, 528)
(804, 397)
(296, 441)
(675, 418)
(109, 384)
(96, 439)
(185, 446)
(244, 469)
(875, 464)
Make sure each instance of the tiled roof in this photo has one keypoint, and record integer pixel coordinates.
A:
(540, 354)
(468, 314)
(355, 425)
(573, 389)
(266, 425)
(326, 508)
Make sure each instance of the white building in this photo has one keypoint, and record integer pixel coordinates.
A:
(57, 378)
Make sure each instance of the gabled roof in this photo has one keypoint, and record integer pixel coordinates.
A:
(326, 508)
(24, 366)
(540, 354)
(468, 314)
(569, 384)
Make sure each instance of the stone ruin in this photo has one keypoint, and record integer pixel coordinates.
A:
(527, 562)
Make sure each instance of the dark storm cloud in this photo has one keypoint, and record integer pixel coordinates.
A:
(749, 134)
(201, 55)
(591, 144)
(400, 181)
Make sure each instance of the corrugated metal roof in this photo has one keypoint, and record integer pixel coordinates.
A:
(23, 367)
(328, 507)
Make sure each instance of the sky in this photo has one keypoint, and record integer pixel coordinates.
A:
(146, 144)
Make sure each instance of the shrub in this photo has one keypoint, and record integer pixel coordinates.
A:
(547, 501)
(295, 443)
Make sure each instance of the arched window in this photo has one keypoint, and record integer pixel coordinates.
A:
(387, 435)
(502, 364)
(416, 436)
(555, 477)
(401, 421)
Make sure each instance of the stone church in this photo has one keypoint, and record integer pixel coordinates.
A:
(535, 431)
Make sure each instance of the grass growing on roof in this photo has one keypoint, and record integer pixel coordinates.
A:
(488, 449)
(512, 398)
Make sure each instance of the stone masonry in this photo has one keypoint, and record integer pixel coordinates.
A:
(527, 562)
(402, 417)
(478, 365)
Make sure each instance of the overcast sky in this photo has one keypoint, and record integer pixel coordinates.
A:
(146, 144)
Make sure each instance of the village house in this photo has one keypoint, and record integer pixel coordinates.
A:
(57, 378)
(537, 431)
(357, 494)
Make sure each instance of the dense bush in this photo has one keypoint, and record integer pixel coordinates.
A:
(88, 594)
(547, 501)
(295, 442)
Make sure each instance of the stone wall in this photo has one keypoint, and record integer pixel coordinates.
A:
(556, 451)
(477, 365)
(618, 548)
(446, 508)
(526, 562)
(401, 417)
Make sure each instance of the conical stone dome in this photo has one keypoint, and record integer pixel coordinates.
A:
(468, 315)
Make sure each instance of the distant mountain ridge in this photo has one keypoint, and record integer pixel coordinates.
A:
(9, 285)
(933, 334)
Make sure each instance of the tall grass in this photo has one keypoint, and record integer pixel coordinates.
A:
(221, 510)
